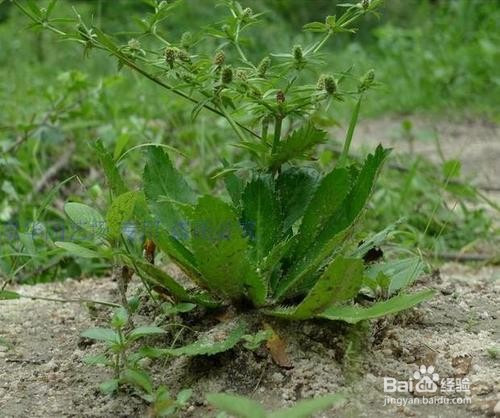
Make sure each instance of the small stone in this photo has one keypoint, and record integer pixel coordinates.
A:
(50, 366)
(496, 409)
(277, 377)
(481, 388)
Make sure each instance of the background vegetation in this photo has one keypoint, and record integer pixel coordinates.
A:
(433, 57)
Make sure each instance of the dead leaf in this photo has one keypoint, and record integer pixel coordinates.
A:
(277, 347)
(461, 364)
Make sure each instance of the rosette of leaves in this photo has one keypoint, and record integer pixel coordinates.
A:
(280, 242)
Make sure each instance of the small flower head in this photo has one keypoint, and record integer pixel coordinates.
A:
(241, 75)
(247, 13)
(134, 44)
(263, 66)
(367, 80)
(183, 56)
(298, 54)
(226, 75)
(170, 55)
(330, 84)
(219, 58)
(280, 97)
(365, 4)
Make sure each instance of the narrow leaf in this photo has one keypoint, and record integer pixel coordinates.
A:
(77, 250)
(353, 314)
(9, 295)
(309, 407)
(237, 406)
(101, 334)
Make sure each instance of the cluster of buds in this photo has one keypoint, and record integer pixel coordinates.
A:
(247, 14)
(298, 54)
(366, 81)
(219, 58)
(172, 53)
(365, 4)
(327, 83)
(241, 75)
(280, 97)
(263, 67)
(226, 75)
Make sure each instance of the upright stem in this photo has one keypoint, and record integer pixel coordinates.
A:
(277, 132)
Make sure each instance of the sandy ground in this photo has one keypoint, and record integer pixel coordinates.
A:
(41, 351)
(42, 374)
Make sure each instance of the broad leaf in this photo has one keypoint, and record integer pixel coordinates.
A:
(101, 334)
(297, 144)
(261, 215)
(166, 191)
(137, 378)
(329, 195)
(401, 272)
(121, 212)
(340, 282)
(337, 228)
(221, 251)
(86, 218)
(295, 188)
(353, 314)
(144, 331)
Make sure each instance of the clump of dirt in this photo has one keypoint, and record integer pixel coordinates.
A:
(42, 373)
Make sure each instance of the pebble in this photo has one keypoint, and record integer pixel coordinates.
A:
(496, 409)
(277, 377)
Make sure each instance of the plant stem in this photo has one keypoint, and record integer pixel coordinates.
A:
(350, 133)
(277, 132)
(97, 302)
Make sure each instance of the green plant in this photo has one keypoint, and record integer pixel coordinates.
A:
(242, 407)
(283, 243)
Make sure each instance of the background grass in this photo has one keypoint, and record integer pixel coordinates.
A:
(431, 57)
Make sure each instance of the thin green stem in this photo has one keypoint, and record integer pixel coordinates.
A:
(278, 122)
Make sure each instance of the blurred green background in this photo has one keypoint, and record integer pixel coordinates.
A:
(436, 57)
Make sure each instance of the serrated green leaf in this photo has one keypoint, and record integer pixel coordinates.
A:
(120, 212)
(206, 344)
(353, 314)
(87, 218)
(163, 186)
(328, 197)
(308, 407)
(144, 331)
(77, 250)
(297, 144)
(115, 181)
(341, 281)
(101, 334)
(295, 188)
(400, 272)
(337, 228)
(164, 280)
(221, 251)
(137, 378)
(237, 406)
(9, 295)
(261, 215)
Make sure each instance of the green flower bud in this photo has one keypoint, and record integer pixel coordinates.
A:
(320, 85)
(226, 75)
(219, 58)
(280, 97)
(330, 84)
(297, 52)
(183, 56)
(134, 44)
(241, 75)
(170, 55)
(367, 80)
(247, 13)
(263, 66)
(365, 4)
